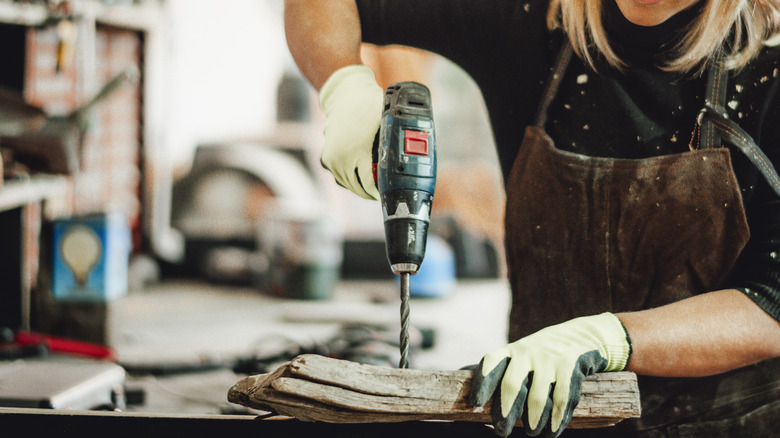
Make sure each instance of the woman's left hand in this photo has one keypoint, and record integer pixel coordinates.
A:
(540, 375)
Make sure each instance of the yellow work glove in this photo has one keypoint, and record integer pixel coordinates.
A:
(540, 375)
(352, 101)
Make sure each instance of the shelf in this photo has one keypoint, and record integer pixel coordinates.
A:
(18, 193)
(22, 13)
(139, 16)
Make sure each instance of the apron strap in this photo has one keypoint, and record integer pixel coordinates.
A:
(553, 82)
(732, 133)
(716, 125)
(715, 98)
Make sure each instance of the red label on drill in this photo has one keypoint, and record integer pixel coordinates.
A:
(415, 142)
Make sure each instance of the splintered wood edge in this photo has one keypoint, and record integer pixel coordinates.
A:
(243, 391)
(239, 393)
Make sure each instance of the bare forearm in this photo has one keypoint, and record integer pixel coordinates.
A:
(322, 36)
(704, 335)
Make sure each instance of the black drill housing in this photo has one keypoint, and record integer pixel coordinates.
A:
(406, 173)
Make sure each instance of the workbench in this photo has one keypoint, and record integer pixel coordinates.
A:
(184, 321)
(37, 422)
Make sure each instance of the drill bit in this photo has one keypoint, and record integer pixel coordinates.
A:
(405, 292)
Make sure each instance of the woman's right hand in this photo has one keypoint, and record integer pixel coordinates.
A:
(324, 39)
(352, 101)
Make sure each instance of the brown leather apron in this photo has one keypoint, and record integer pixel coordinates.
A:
(586, 235)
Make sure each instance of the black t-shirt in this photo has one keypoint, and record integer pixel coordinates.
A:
(642, 111)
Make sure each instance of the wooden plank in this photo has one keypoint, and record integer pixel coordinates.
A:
(315, 411)
(358, 401)
(316, 388)
(242, 392)
(371, 379)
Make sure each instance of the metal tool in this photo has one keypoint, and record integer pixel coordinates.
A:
(406, 178)
(53, 143)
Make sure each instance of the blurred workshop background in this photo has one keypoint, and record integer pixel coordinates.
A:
(166, 224)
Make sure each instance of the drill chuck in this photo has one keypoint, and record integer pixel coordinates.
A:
(407, 215)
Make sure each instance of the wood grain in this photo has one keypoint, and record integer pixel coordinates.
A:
(317, 388)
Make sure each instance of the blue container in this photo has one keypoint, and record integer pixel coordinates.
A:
(436, 277)
(91, 256)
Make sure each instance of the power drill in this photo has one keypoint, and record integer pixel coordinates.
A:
(406, 178)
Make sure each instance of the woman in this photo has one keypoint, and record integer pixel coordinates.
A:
(633, 240)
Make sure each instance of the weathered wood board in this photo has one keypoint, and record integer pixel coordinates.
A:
(317, 388)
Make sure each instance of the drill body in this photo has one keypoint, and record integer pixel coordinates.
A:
(406, 173)
(406, 179)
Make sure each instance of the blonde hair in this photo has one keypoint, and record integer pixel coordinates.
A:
(750, 24)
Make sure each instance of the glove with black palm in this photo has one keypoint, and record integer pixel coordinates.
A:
(540, 375)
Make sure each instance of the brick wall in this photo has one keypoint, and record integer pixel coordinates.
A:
(118, 127)
(110, 177)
